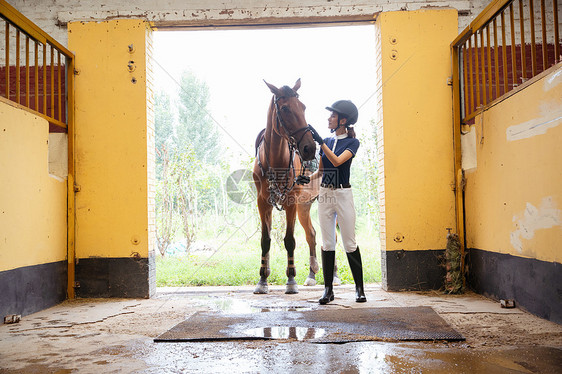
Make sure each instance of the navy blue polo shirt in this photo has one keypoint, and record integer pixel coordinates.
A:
(338, 175)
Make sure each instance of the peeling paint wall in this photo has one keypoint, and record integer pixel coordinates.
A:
(514, 194)
(53, 16)
(32, 204)
(513, 199)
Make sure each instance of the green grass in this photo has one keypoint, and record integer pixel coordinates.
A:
(236, 260)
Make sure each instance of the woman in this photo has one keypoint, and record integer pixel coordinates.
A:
(335, 201)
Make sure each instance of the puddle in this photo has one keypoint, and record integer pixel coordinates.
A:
(237, 306)
(294, 308)
(283, 332)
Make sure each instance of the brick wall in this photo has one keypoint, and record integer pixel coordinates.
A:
(151, 162)
(380, 137)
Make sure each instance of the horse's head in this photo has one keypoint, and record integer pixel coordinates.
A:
(290, 122)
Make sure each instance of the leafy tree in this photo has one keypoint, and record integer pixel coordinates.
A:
(189, 174)
(183, 169)
(196, 127)
(365, 177)
(164, 204)
(164, 127)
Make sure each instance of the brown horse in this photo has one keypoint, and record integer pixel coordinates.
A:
(281, 180)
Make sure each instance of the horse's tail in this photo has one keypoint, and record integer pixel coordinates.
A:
(259, 140)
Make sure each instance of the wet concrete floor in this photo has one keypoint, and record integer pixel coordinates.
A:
(117, 336)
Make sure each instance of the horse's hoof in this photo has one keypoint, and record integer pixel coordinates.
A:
(336, 281)
(310, 282)
(292, 288)
(261, 289)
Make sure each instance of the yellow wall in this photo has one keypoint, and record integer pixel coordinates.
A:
(514, 195)
(111, 138)
(32, 204)
(417, 127)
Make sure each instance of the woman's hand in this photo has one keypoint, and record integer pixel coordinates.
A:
(316, 136)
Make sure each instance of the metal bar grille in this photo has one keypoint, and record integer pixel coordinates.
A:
(533, 45)
(496, 59)
(489, 54)
(44, 109)
(7, 60)
(470, 71)
(465, 78)
(27, 71)
(504, 55)
(52, 83)
(544, 40)
(59, 91)
(476, 71)
(523, 47)
(556, 35)
(34, 82)
(36, 76)
(497, 55)
(513, 56)
(18, 73)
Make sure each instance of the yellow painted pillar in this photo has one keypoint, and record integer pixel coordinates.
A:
(114, 160)
(417, 145)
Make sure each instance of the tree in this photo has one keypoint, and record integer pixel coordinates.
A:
(164, 204)
(164, 128)
(196, 127)
(188, 154)
(365, 176)
(182, 173)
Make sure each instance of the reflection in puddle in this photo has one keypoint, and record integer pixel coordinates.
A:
(236, 306)
(283, 332)
(285, 309)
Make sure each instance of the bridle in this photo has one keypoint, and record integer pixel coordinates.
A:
(279, 190)
(280, 123)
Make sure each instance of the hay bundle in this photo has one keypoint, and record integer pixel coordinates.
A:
(453, 277)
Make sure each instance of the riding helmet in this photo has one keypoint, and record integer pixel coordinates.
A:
(346, 109)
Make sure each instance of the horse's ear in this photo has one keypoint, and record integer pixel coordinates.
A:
(297, 85)
(274, 90)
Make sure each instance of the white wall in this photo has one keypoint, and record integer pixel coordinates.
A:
(52, 16)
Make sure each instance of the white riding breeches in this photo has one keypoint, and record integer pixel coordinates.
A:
(335, 206)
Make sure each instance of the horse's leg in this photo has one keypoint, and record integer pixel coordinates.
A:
(337, 280)
(303, 211)
(291, 215)
(265, 216)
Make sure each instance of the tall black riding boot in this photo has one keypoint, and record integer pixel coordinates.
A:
(356, 266)
(328, 260)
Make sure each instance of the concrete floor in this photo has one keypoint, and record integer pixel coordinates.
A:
(116, 336)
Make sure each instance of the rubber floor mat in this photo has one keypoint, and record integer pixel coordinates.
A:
(316, 326)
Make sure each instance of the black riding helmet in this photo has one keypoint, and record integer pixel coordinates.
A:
(345, 109)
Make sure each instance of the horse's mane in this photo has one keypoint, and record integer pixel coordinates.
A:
(259, 140)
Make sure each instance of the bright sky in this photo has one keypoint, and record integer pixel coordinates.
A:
(234, 64)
